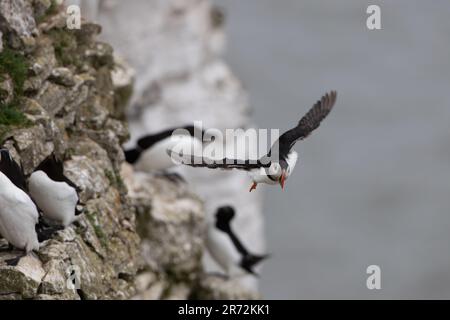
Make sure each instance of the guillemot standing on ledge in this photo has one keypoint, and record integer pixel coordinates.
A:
(226, 248)
(19, 215)
(54, 193)
(278, 164)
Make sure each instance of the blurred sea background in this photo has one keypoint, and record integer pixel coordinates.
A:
(373, 182)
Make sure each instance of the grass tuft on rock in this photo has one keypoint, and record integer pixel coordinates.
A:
(114, 179)
(11, 116)
(14, 64)
(91, 216)
(52, 10)
(65, 45)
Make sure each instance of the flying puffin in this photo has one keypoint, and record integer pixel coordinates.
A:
(54, 193)
(19, 216)
(150, 155)
(278, 164)
(226, 248)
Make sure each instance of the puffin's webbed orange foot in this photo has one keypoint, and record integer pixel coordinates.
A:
(253, 187)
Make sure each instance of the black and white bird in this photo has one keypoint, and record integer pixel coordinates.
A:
(150, 152)
(54, 193)
(227, 249)
(19, 215)
(278, 164)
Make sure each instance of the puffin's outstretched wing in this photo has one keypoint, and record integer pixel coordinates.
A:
(225, 163)
(308, 123)
(12, 170)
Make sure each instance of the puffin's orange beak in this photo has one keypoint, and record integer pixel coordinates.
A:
(282, 179)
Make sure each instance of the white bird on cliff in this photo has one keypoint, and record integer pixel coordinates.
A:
(227, 249)
(54, 193)
(150, 152)
(278, 164)
(18, 213)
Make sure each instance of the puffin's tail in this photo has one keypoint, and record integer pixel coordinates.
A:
(251, 260)
(132, 155)
(46, 231)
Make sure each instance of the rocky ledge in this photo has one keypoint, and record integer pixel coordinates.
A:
(58, 96)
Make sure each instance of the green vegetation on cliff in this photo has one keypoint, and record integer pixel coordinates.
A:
(13, 65)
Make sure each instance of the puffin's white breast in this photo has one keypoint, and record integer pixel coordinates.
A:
(260, 176)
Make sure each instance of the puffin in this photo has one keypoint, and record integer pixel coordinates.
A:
(276, 166)
(227, 249)
(54, 193)
(149, 153)
(19, 216)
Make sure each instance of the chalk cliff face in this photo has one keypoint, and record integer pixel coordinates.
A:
(64, 91)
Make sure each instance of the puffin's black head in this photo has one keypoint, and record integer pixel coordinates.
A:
(224, 215)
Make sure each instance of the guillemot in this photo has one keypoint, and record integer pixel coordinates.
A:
(54, 193)
(19, 217)
(227, 249)
(150, 152)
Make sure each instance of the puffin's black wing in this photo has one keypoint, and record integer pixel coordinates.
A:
(54, 168)
(308, 123)
(225, 163)
(12, 170)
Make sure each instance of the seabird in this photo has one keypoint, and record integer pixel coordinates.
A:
(19, 215)
(150, 154)
(226, 248)
(278, 164)
(54, 193)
